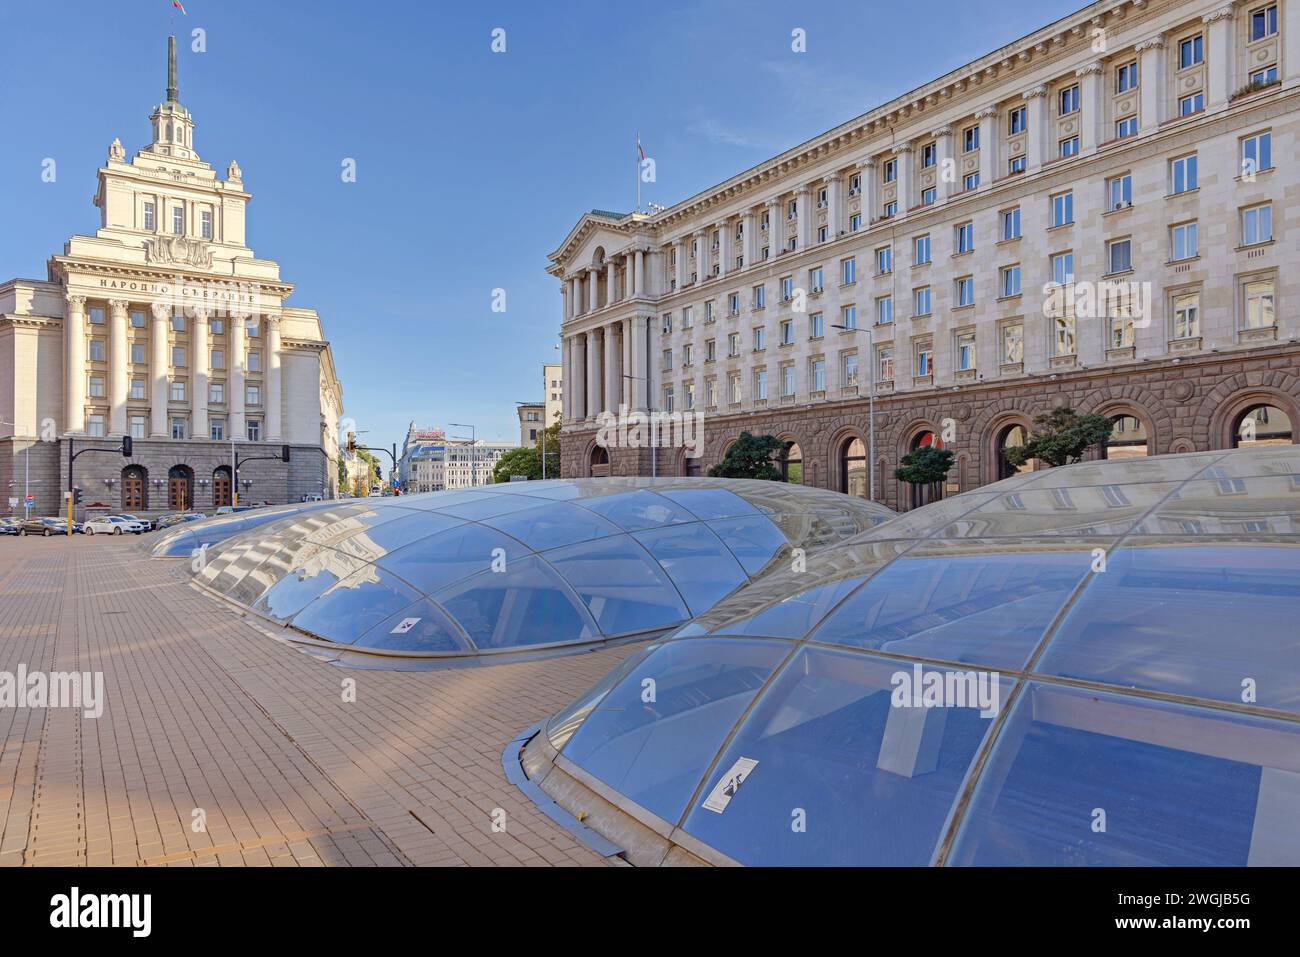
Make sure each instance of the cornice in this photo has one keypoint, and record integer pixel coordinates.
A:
(11, 321)
(61, 264)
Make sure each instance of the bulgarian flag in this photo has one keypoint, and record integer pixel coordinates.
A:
(638, 147)
(180, 6)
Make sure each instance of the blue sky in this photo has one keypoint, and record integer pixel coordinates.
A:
(471, 165)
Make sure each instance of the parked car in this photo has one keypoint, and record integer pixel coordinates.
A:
(147, 523)
(312, 498)
(8, 526)
(47, 526)
(112, 525)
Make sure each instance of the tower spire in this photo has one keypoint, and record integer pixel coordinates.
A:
(172, 91)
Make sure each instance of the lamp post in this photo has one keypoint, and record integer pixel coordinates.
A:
(473, 446)
(871, 405)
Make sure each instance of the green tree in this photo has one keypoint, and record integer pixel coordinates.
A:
(521, 461)
(924, 468)
(753, 456)
(343, 476)
(1060, 437)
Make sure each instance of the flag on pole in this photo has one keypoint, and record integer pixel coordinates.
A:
(179, 6)
(638, 147)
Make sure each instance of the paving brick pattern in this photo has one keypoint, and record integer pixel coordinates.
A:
(208, 717)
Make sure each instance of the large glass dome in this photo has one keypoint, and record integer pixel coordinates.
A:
(1097, 664)
(518, 568)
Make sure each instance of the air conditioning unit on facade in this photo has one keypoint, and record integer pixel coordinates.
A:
(854, 191)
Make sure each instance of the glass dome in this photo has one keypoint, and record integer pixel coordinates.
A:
(1096, 664)
(517, 568)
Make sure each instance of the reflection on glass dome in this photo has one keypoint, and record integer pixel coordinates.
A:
(963, 685)
(520, 568)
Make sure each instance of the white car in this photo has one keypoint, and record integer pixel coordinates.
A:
(113, 525)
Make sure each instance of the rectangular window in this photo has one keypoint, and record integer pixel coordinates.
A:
(666, 323)
(1182, 174)
(690, 395)
(787, 332)
(178, 220)
(816, 326)
(1119, 192)
(970, 139)
(787, 380)
(1264, 77)
(254, 429)
(686, 354)
(1259, 304)
(1069, 100)
(216, 393)
(921, 250)
(818, 375)
(760, 297)
(1183, 241)
(1263, 22)
(205, 223)
(254, 362)
(137, 389)
(733, 304)
(667, 359)
(178, 391)
(253, 395)
(855, 184)
(178, 356)
(823, 232)
(217, 359)
(884, 260)
(1121, 332)
(885, 363)
(1017, 121)
(1119, 255)
(1256, 154)
(1191, 52)
(1126, 77)
(1016, 165)
(149, 217)
(1063, 339)
(96, 387)
(668, 398)
(1192, 103)
(929, 155)
(855, 222)
(178, 323)
(1070, 146)
(890, 210)
(686, 317)
(1063, 268)
(1257, 224)
(710, 350)
(138, 427)
(1013, 343)
(179, 428)
(95, 426)
(928, 196)
(97, 350)
(816, 280)
(1011, 223)
(1010, 281)
(924, 358)
(849, 317)
(1063, 209)
(733, 344)
(964, 239)
(1187, 316)
(760, 384)
(891, 171)
(137, 319)
(217, 430)
(966, 291)
(760, 338)
(1126, 127)
(921, 303)
(884, 310)
(970, 181)
(965, 351)
(849, 370)
(733, 387)
(96, 315)
(137, 353)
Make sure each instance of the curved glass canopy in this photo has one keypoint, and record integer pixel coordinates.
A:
(513, 568)
(1097, 664)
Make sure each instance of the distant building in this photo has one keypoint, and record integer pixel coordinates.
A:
(553, 397)
(532, 417)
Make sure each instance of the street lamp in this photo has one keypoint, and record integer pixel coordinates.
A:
(473, 449)
(871, 404)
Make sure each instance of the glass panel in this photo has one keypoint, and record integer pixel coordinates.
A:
(487, 506)
(790, 615)
(875, 781)
(711, 502)
(354, 605)
(987, 607)
(1231, 505)
(697, 562)
(552, 524)
(422, 627)
(527, 604)
(656, 751)
(633, 511)
(625, 590)
(561, 727)
(394, 533)
(1178, 785)
(755, 541)
(1207, 622)
(1108, 509)
(297, 588)
(437, 561)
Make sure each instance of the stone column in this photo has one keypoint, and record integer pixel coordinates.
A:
(775, 230)
(947, 165)
(1090, 107)
(1036, 119)
(577, 384)
(803, 210)
(611, 281)
(639, 368)
(593, 290)
(613, 371)
(199, 379)
(119, 359)
(749, 237)
(575, 297)
(833, 207)
(870, 191)
(903, 153)
(74, 364)
(238, 359)
(640, 272)
(990, 144)
(724, 246)
(626, 383)
(1151, 82)
(630, 288)
(1221, 53)
(159, 367)
(593, 404)
(680, 251)
(274, 381)
(566, 371)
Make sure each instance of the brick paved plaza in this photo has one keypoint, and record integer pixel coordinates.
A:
(205, 711)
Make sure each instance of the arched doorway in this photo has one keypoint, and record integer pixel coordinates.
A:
(792, 468)
(1128, 438)
(1012, 436)
(180, 488)
(599, 462)
(922, 494)
(1262, 425)
(853, 467)
(135, 486)
(221, 486)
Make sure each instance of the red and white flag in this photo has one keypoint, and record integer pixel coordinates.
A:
(180, 6)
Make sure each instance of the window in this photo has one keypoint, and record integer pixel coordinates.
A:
(690, 395)
(137, 389)
(149, 217)
(1192, 103)
(253, 395)
(1070, 146)
(667, 359)
(179, 428)
(760, 339)
(216, 327)
(1263, 22)
(205, 224)
(96, 350)
(884, 310)
(138, 427)
(1259, 304)
(1183, 242)
(217, 430)
(924, 357)
(178, 220)
(137, 353)
(1062, 209)
(254, 430)
(817, 375)
(964, 240)
(1119, 255)
(1013, 343)
(965, 351)
(733, 344)
(760, 297)
(1011, 224)
(855, 184)
(1182, 174)
(96, 387)
(1126, 77)
(1119, 192)
(855, 222)
(929, 155)
(1256, 153)
(849, 317)
(178, 323)
(1191, 52)
(965, 291)
(1265, 76)
(96, 315)
(815, 279)
(787, 380)
(666, 323)
(686, 317)
(885, 363)
(1016, 121)
(1257, 224)
(823, 232)
(921, 301)
(1126, 127)
(884, 260)
(822, 198)
(710, 350)
(816, 326)
(1063, 268)
(760, 385)
(921, 250)
(95, 426)
(686, 354)
(1016, 165)
(178, 390)
(849, 370)
(970, 139)
(890, 210)
(1187, 316)
(928, 196)
(733, 388)
(217, 359)
(733, 304)
(1063, 339)
(711, 394)
(970, 181)
(787, 332)
(668, 398)
(217, 393)
(1070, 100)
(254, 362)
(1121, 332)
(178, 356)
(1010, 281)
(891, 171)
(765, 219)
(137, 319)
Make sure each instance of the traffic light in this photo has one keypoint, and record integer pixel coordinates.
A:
(76, 495)
(127, 447)
(352, 443)
(284, 453)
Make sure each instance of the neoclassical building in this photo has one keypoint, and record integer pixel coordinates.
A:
(166, 327)
(1103, 214)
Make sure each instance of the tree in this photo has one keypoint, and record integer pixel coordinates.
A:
(521, 461)
(343, 475)
(756, 457)
(1060, 437)
(924, 468)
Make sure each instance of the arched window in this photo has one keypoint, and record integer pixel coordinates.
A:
(221, 486)
(1128, 438)
(792, 470)
(1013, 436)
(853, 468)
(1262, 425)
(135, 489)
(599, 462)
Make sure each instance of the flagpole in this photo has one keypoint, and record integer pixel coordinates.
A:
(638, 172)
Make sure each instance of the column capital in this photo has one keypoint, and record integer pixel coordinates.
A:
(867, 164)
(942, 131)
(1089, 69)
(119, 305)
(161, 310)
(903, 149)
(1156, 42)
(988, 113)
(1221, 13)
(75, 302)
(1034, 93)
